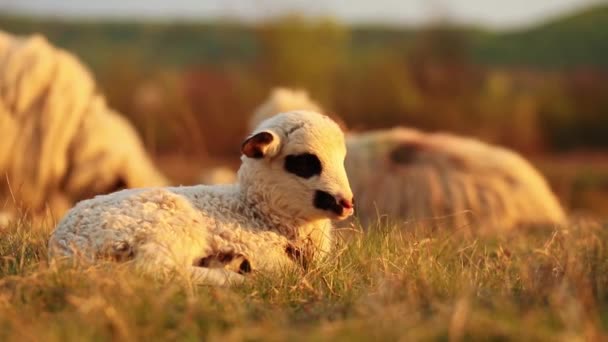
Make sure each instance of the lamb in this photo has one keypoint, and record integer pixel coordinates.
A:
(291, 185)
(60, 141)
(438, 179)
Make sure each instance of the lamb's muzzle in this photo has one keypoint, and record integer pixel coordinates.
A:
(347, 204)
(338, 205)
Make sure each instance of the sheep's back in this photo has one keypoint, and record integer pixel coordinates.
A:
(60, 141)
(44, 93)
(441, 178)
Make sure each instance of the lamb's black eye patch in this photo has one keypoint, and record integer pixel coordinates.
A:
(304, 165)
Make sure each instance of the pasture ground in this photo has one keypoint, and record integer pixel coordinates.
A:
(387, 283)
(383, 282)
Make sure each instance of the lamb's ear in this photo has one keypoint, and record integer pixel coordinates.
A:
(261, 145)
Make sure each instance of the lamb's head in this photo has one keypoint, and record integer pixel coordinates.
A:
(294, 163)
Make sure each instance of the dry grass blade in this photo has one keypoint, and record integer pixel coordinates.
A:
(390, 282)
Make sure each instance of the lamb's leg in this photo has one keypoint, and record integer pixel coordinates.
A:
(161, 256)
(215, 276)
(160, 263)
(237, 263)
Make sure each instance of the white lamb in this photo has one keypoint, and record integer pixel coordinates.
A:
(435, 178)
(291, 184)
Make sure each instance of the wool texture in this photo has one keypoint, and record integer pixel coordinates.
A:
(60, 141)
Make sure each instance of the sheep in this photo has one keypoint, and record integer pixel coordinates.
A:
(283, 100)
(438, 179)
(291, 185)
(405, 173)
(60, 141)
(218, 175)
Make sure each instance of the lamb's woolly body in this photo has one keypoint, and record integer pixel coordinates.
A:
(406, 174)
(264, 216)
(60, 141)
(169, 227)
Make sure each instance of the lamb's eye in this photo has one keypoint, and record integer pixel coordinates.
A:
(304, 165)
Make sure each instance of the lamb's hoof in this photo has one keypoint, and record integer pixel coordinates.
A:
(237, 263)
(245, 267)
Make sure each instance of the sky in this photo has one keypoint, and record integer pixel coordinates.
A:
(490, 13)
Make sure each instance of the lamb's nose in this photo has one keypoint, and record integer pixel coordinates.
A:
(347, 204)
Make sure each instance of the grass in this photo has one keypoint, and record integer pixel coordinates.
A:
(580, 181)
(391, 282)
(574, 39)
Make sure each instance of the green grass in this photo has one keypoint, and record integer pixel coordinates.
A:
(576, 39)
(390, 283)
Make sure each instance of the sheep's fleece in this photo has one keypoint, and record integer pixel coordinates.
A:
(269, 220)
(218, 175)
(436, 179)
(60, 141)
(441, 179)
(283, 100)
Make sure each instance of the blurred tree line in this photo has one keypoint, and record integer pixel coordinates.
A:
(192, 87)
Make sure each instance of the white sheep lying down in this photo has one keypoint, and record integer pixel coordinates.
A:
(435, 179)
(217, 175)
(60, 141)
(439, 179)
(291, 184)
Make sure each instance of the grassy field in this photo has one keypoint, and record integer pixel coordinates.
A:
(389, 282)
(383, 282)
(572, 40)
(579, 180)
